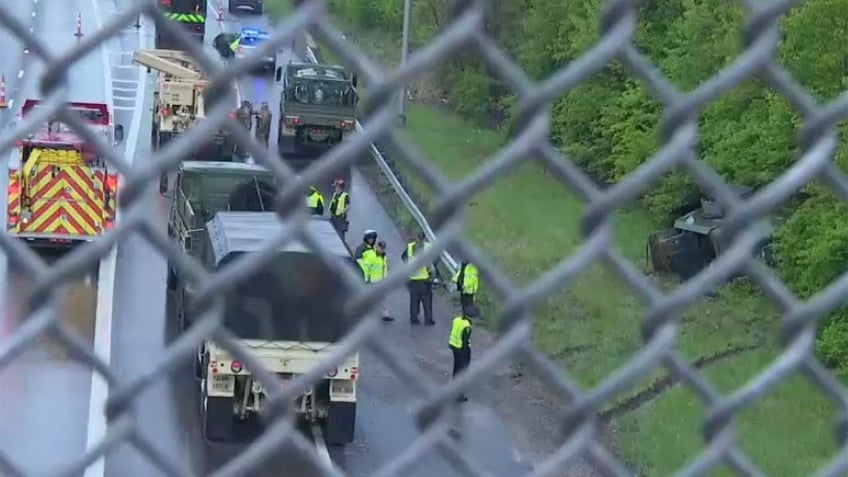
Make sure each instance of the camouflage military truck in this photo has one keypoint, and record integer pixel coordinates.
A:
(317, 107)
(696, 239)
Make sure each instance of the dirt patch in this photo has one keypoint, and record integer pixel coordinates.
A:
(659, 386)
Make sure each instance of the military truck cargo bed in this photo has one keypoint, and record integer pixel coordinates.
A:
(295, 296)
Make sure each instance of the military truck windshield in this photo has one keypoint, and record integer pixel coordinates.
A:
(212, 191)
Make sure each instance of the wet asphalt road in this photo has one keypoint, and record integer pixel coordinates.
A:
(42, 387)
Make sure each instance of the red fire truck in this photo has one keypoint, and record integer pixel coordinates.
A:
(61, 192)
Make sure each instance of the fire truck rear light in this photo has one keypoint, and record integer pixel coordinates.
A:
(333, 372)
(235, 367)
(214, 370)
(292, 120)
(112, 183)
(347, 124)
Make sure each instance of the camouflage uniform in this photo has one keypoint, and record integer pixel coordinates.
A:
(263, 124)
(244, 114)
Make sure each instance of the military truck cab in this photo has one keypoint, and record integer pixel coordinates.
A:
(317, 107)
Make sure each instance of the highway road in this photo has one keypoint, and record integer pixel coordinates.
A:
(384, 425)
(44, 396)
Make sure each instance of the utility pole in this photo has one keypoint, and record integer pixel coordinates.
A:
(404, 52)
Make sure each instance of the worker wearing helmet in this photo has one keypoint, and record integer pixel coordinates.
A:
(339, 205)
(375, 267)
(315, 201)
(369, 238)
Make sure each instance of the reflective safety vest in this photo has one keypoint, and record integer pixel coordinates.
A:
(458, 327)
(186, 17)
(423, 273)
(470, 279)
(314, 199)
(374, 267)
(338, 204)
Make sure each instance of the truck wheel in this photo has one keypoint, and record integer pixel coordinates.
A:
(341, 423)
(218, 418)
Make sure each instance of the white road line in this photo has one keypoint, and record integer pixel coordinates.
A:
(125, 108)
(131, 90)
(126, 67)
(97, 426)
(127, 81)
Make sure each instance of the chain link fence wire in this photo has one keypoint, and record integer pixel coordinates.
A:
(464, 32)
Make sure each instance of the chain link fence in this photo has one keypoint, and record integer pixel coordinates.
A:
(464, 32)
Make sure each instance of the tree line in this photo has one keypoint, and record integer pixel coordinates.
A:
(609, 125)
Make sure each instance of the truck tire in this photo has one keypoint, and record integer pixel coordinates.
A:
(341, 423)
(217, 418)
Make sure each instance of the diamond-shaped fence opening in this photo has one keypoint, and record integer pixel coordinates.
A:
(584, 410)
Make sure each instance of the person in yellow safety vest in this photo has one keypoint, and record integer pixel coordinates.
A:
(420, 284)
(467, 280)
(339, 205)
(459, 342)
(315, 201)
(375, 267)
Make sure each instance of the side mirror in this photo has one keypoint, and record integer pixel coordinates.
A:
(119, 134)
(355, 80)
(279, 74)
(163, 183)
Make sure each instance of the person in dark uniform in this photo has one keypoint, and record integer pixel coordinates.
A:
(459, 342)
(420, 284)
(339, 205)
(368, 241)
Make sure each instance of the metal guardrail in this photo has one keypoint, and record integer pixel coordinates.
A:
(447, 259)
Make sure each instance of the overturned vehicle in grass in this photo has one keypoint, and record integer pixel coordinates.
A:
(697, 239)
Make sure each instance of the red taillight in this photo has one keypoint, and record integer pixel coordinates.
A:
(346, 124)
(292, 120)
(14, 188)
(112, 183)
(214, 370)
(235, 367)
(232, 115)
(165, 3)
(333, 371)
(165, 111)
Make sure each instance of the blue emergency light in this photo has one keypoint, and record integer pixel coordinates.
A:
(252, 34)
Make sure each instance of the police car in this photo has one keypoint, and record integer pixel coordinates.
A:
(242, 44)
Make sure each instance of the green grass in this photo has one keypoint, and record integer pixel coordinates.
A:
(527, 222)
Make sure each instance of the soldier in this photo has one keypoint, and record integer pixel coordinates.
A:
(245, 114)
(263, 123)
